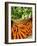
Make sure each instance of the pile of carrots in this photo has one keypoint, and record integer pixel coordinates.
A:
(21, 30)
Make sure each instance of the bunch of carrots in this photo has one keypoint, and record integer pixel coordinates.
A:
(21, 30)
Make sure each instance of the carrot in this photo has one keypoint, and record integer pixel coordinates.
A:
(24, 29)
(17, 36)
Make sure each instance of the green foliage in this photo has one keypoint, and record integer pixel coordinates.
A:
(20, 12)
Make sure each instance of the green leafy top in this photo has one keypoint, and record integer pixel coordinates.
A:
(20, 12)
